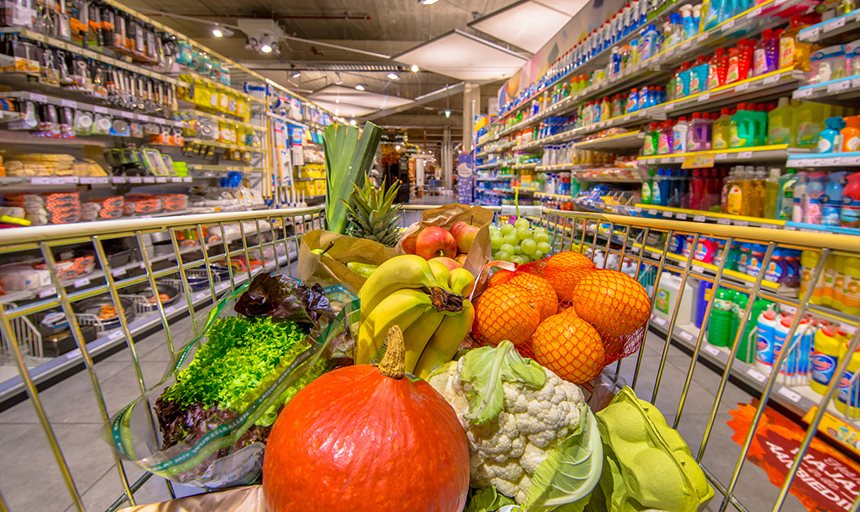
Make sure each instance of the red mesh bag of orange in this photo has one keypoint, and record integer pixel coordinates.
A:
(565, 313)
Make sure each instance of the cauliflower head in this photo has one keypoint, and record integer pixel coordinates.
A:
(515, 413)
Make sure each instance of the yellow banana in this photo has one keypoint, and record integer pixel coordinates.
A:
(401, 272)
(446, 340)
(401, 308)
(418, 334)
(442, 274)
(462, 281)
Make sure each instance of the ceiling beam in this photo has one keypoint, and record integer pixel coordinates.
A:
(420, 100)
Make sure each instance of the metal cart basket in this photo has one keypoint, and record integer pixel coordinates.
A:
(209, 255)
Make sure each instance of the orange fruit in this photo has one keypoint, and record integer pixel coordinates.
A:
(613, 302)
(505, 312)
(570, 347)
(564, 270)
(569, 311)
(541, 291)
(501, 276)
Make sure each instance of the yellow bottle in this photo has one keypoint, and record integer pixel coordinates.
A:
(829, 280)
(792, 51)
(851, 286)
(808, 262)
(848, 396)
(838, 284)
(825, 357)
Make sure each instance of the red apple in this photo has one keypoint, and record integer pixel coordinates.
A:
(464, 234)
(448, 262)
(435, 241)
(461, 258)
(408, 245)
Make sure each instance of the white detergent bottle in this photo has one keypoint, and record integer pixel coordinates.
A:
(764, 341)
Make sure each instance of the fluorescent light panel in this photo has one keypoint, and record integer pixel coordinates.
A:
(344, 110)
(569, 7)
(528, 25)
(465, 57)
(350, 96)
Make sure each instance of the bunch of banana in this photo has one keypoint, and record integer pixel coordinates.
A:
(426, 301)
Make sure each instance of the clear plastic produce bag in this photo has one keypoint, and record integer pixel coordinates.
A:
(222, 444)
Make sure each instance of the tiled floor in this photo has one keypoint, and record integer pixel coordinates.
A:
(30, 480)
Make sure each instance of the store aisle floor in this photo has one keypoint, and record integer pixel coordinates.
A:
(31, 481)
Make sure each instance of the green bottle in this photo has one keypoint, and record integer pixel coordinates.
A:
(647, 186)
(720, 321)
(739, 305)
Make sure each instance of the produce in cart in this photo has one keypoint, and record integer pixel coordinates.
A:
(367, 438)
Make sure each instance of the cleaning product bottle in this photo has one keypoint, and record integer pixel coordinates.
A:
(748, 347)
(722, 133)
(808, 262)
(664, 145)
(850, 212)
(718, 69)
(825, 356)
(760, 53)
(713, 14)
(732, 66)
(699, 133)
(832, 200)
(830, 271)
(699, 75)
(771, 194)
(735, 195)
(785, 202)
(851, 286)
(759, 192)
(800, 199)
(830, 140)
(632, 101)
(791, 51)
(720, 321)
(679, 135)
(742, 128)
(771, 51)
(646, 187)
(745, 58)
(766, 330)
(848, 394)
(759, 116)
(810, 123)
(851, 134)
(838, 297)
(814, 193)
(665, 186)
(781, 123)
(648, 43)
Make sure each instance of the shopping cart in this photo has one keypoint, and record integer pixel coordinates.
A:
(641, 246)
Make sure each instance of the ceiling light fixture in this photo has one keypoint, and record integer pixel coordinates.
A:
(352, 122)
(394, 76)
(414, 68)
(219, 31)
(447, 113)
(359, 87)
(338, 80)
(427, 2)
(266, 48)
(297, 74)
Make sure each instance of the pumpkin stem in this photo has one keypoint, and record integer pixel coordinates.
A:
(393, 364)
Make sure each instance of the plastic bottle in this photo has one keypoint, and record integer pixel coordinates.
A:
(718, 69)
(651, 140)
(771, 193)
(646, 187)
(814, 193)
(783, 325)
(808, 262)
(713, 14)
(735, 194)
(782, 128)
(785, 201)
(830, 140)
(825, 356)
(831, 269)
(699, 133)
(722, 130)
(679, 135)
(687, 22)
(759, 116)
(810, 123)
(759, 192)
(851, 286)
(850, 212)
(665, 186)
(648, 43)
(742, 128)
(699, 75)
(728, 181)
(771, 53)
(720, 321)
(664, 144)
(632, 101)
(851, 134)
(760, 53)
(748, 347)
(838, 297)
(832, 200)
(847, 395)
(732, 66)
(682, 86)
(745, 58)
(766, 330)
(799, 201)
(791, 51)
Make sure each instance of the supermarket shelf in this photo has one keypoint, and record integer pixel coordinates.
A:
(842, 92)
(7, 116)
(220, 117)
(564, 167)
(90, 54)
(629, 140)
(92, 181)
(496, 178)
(827, 32)
(708, 158)
(667, 212)
(496, 191)
(60, 102)
(525, 190)
(524, 166)
(606, 180)
(195, 167)
(206, 79)
(223, 145)
(493, 165)
(825, 160)
(23, 137)
(553, 196)
(115, 338)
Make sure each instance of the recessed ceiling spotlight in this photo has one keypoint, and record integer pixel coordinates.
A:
(219, 31)
(394, 76)
(359, 87)
(414, 68)
(266, 48)
(427, 2)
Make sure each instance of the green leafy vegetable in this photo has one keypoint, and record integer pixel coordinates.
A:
(572, 470)
(485, 368)
(486, 500)
(348, 157)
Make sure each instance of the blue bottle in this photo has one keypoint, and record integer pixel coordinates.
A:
(632, 101)
(656, 191)
(690, 28)
(714, 14)
(648, 43)
(666, 187)
(830, 139)
(831, 201)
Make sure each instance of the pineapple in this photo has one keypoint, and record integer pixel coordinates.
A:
(371, 215)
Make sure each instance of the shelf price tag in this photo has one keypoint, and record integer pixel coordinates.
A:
(742, 223)
(93, 181)
(710, 349)
(755, 12)
(176, 180)
(667, 215)
(855, 83)
(135, 179)
(687, 335)
(47, 292)
(699, 218)
(148, 179)
(721, 156)
(39, 98)
(771, 79)
(794, 396)
(681, 216)
(742, 87)
(757, 375)
(201, 295)
(652, 212)
(803, 93)
(744, 155)
(118, 272)
(838, 86)
(659, 321)
(811, 34)
(704, 97)
(702, 37)
(100, 110)
(698, 161)
(117, 334)
(69, 103)
(724, 221)
(81, 282)
(160, 179)
(686, 45)
(728, 25)
(834, 24)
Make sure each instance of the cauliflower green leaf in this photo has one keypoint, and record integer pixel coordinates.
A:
(485, 369)
(571, 471)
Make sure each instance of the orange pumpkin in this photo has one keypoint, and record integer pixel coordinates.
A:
(366, 438)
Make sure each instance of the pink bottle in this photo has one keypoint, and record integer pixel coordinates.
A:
(760, 53)
(699, 134)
